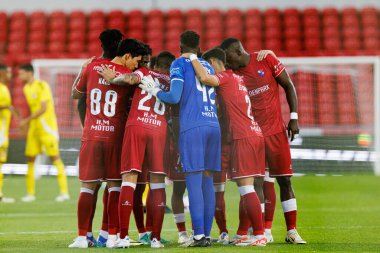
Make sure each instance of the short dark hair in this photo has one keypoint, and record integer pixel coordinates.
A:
(152, 62)
(164, 60)
(132, 47)
(190, 39)
(228, 42)
(216, 53)
(27, 67)
(110, 39)
(148, 50)
(3, 66)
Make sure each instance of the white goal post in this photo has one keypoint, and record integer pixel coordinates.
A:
(335, 144)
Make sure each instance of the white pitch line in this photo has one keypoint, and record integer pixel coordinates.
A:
(8, 215)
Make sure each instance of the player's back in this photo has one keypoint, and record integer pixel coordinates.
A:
(237, 105)
(106, 111)
(263, 90)
(197, 104)
(146, 110)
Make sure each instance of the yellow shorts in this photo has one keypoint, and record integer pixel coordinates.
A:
(3, 154)
(41, 143)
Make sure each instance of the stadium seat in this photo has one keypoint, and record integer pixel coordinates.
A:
(77, 36)
(117, 23)
(36, 47)
(173, 35)
(174, 14)
(213, 13)
(273, 44)
(155, 13)
(174, 24)
(193, 13)
(57, 47)
(253, 45)
(57, 15)
(118, 14)
(137, 34)
(135, 22)
(39, 25)
(96, 24)
(96, 14)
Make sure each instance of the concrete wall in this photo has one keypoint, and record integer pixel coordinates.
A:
(68, 5)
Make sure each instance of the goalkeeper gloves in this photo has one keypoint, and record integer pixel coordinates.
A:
(149, 85)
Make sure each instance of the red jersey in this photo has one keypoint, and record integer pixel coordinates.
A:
(260, 80)
(233, 93)
(146, 110)
(106, 110)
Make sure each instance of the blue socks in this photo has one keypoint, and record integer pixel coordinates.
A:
(201, 193)
(209, 203)
(196, 205)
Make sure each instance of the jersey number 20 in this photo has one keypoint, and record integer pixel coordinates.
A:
(110, 99)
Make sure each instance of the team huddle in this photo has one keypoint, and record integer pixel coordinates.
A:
(198, 120)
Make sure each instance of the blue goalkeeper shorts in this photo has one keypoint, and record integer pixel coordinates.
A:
(199, 149)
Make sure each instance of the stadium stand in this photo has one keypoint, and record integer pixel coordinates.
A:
(289, 32)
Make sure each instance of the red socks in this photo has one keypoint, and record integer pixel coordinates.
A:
(252, 206)
(85, 210)
(105, 210)
(220, 212)
(149, 212)
(125, 207)
(244, 222)
(290, 213)
(158, 202)
(113, 214)
(270, 203)
(138, 207)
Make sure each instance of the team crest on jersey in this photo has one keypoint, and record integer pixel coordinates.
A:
(260, 72)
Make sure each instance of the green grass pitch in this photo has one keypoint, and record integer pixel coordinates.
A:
(336, 214)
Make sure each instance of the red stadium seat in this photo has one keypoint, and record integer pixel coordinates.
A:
(253, 45)
(77, 14)
(293, 44)
(194, 23)
(38, 25)
(252, 13)
(369, 21)
(215, 13)
(154, 14)
(96, 14)
(273, 44)
(137, 34)
(77, 36)
(331, 21)
(36, 47)
(193, 13)
(154, 34)
(57, 15)
(57, 25)
(352, 43)
(173, 35)
(18, 25)
(135, 23)
(174, 24)
(272, 12)
(155, 23)
(37, 36)
(75, 47)
(59, 36)
(313, 44)
(17, 35)
(118, 14)
(174, 13)
(18, 15)
(291, 12)
(371, 43)
(56, 47)
(349, 11)
(332, 44)
(118, 23)
(16, 47)
(330, 11)
(96, 24)
(77, 25)
(253, 21)
(369, 11)
(311, 11)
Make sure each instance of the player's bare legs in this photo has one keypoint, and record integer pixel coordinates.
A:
(289, 206)
(128, 186)
(61, 177)
(179, 188)
(158, 202)
(252, 207)
(84, 212)
(113, 211)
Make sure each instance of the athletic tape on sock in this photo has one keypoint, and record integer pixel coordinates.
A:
(128, 184)
(155, 186)
(267, 178)
(179, 217)
(86, 190)
(246, 189)
(219, 187)
(114, 189)
(289, 205)
(262, 208)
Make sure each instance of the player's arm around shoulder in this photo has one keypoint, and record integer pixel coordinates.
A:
(201, 72)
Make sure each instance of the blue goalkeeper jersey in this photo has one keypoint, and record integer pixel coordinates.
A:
(197, 103)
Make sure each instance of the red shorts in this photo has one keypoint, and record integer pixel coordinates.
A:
(220, 177)
(143, 146)
(277, 155)
(143, 177)
(248, 158)
(99, 161)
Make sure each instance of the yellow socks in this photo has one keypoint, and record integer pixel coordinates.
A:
(30, 181)
(1, 181)
(61, 176)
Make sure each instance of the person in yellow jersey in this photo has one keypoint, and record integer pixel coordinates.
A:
(42, 131)
(6, 109)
